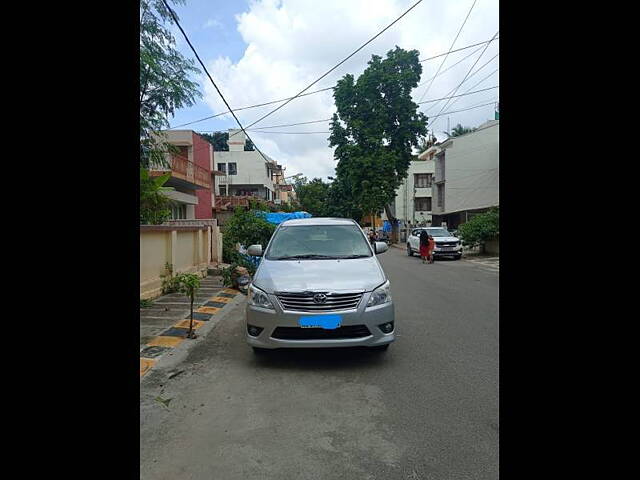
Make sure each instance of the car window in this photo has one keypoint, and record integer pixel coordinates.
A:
(334, 241)
(438, 232)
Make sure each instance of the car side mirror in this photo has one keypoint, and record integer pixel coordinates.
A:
(381, 247)
(255, 250)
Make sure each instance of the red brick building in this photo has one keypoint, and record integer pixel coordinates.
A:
(190, 175)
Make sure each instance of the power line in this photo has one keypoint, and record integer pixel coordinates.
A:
(452, 103)
(462, 94)
(452, 91)
(450, 48)
(465, 77)
(250, 106)
(289, 133)
(259, 130)
(329, 119)
(336, 66)
(175, 19)
(463, 110)
(331, 88)
(449, 68)
(474, 86)
(460, 49)
(294, 124)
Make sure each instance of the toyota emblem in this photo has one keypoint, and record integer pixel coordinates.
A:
(319, 298)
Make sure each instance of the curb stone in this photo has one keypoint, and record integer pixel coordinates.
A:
(173, 342)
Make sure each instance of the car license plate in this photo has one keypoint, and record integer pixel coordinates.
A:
(446, 249)
(328, 322)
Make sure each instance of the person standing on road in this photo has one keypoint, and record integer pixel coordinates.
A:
(431, 246)
(424, 245)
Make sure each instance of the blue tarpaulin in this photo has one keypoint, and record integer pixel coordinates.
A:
(278, 217)
(386, 226)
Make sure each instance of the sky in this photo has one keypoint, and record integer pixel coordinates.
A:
(263, 50)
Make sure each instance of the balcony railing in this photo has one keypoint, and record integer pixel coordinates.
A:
(230, 202)
(188, 171)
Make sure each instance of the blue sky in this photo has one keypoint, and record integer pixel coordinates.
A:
(211, 27)
(263, 50)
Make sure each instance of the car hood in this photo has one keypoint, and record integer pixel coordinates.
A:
(356, 274)
(446, 239)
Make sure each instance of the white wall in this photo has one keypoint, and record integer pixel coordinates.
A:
(404, 193)
(471, 170)
(251, 168)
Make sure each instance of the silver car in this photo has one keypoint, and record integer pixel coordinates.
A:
(319, 284)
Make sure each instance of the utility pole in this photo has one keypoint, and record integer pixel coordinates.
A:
(448, 127)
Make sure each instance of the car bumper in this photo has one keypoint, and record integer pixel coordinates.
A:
(450, 253)
(270, 321)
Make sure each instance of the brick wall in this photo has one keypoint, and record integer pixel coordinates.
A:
(201, 158)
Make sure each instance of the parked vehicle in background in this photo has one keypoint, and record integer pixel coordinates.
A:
(447, 245)
(319, 284)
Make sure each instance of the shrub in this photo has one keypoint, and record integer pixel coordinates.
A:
(155, 207)
(169, 282)
(245, 228)
(480, 228)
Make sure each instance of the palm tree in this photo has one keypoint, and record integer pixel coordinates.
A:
(460, 130)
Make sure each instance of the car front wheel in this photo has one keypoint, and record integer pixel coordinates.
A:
(409, 251)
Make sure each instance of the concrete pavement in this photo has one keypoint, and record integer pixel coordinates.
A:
(425, 409)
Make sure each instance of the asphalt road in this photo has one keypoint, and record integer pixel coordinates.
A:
(425, 409)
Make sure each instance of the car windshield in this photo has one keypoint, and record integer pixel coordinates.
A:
(438, 232)
(318, 242)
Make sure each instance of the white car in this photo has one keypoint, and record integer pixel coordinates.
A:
(446, 244)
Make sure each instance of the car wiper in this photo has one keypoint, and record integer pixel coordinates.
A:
(309, 255)
(353, 256)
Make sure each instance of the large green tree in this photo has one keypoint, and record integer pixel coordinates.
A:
(312, 195)
(165, 85)
(165, 79)
(376, 126)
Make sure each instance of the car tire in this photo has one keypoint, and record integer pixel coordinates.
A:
(380, 348)
(409, 251)
(458, 257)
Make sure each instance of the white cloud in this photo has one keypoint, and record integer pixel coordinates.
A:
(290, 43)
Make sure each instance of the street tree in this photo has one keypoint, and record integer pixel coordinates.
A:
(376, 126)
(312, 195)
(341, 202)
(165, 79)
(188, 284)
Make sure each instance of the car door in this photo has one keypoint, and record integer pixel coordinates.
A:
(414, 240)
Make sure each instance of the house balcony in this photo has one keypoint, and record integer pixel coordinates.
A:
(226, 202)
(184, 174)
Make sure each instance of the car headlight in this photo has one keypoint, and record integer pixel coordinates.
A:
(380, 295)
(258, 298)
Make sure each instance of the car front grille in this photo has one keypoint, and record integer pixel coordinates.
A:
(446, 244)
(304, 302)
(299, 333)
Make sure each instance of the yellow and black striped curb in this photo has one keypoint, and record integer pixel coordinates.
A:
(176, 334)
